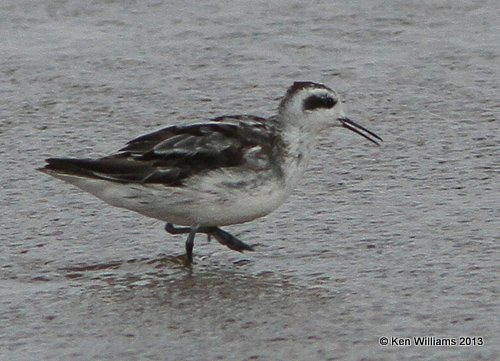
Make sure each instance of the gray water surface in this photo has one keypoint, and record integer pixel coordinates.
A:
(399, 240)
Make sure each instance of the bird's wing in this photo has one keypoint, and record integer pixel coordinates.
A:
(170, 155)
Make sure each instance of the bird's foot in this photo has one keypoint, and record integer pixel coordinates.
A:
(223, 237)
(230, 241)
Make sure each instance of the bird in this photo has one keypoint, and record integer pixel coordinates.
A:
(201, 176)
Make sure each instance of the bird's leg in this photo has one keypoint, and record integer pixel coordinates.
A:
(190, 244)
(228, 240)
(170, 228)
(224, 238)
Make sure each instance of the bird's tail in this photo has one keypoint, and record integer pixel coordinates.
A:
(70, 166)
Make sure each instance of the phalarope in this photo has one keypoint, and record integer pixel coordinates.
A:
(227, 170)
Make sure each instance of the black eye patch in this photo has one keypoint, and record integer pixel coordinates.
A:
(319, 101)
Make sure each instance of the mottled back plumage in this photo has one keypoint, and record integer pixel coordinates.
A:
(172, 154)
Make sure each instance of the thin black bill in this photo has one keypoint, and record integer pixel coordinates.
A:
(356, 128)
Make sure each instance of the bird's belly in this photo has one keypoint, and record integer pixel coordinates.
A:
(236, 208)
(189, 208)
(200, 203)
(219, 206)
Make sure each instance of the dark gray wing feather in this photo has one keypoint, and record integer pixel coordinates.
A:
(170, 155)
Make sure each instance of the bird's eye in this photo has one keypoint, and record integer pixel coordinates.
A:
(319, 101)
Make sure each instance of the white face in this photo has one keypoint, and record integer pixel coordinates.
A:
(313, 107)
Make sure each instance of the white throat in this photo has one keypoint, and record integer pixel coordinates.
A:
(299, 146)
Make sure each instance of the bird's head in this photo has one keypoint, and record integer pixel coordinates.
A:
(313, 107)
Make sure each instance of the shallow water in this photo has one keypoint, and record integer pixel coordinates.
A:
(399, 240)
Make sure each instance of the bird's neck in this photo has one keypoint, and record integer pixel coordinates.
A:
(297, 152)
